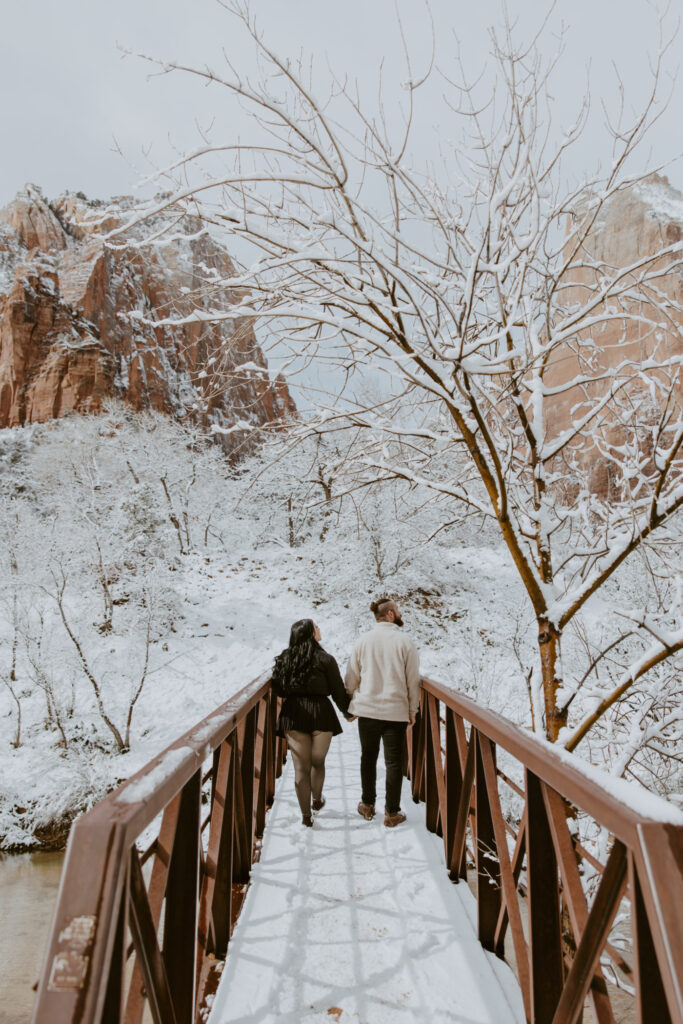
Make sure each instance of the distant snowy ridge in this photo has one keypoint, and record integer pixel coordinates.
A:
(662, 200)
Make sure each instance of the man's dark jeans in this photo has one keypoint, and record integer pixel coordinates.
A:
(371, 731)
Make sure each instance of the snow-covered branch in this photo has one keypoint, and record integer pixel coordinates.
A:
(503, 334)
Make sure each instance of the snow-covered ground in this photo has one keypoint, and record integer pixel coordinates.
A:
(352, 922)
(208, 600)
(221, 610)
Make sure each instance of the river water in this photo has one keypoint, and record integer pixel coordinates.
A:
(28, 891)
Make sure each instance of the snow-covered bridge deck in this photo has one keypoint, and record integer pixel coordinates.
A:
(354, 922)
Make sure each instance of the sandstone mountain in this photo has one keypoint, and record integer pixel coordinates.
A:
(639, 222)
(81, 321)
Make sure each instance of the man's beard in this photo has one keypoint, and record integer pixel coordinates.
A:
(398, 621)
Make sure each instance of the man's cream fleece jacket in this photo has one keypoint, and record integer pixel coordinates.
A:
(383, 675)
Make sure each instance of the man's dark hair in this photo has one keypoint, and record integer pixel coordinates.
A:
(381, 606)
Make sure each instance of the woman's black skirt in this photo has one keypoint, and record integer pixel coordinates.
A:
(308, 714)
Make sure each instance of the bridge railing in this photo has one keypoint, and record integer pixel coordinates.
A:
(155, 874)
(538, 881)
(148, 898)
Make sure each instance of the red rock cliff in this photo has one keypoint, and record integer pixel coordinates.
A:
(636, 223)
(67, 341)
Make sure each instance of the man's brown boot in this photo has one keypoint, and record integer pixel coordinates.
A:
(392, 820)
(366, 811)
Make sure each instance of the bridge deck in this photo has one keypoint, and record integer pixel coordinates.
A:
(353, 922)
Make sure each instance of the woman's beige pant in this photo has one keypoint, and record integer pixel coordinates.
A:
(309, 751)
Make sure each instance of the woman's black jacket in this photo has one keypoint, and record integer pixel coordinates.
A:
(323, 680)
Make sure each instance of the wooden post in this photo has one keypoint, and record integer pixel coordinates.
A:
(113, 1001)
(432, 749)
(242, 845)
(261, 769)
(486, 852)
(651, 1002)
(247, 738)
(180, 919)
(459, 852)
(545, 930)
(417, 773)
(149, 959)
(587, 956)
(221, 902)
(454, 787)
(273, 748)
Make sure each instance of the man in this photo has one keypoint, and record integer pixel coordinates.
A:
(383, 680)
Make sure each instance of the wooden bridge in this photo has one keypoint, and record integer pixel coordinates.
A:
(156, 875)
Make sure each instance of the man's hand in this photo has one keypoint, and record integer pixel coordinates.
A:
(413, 719)
(351, 718)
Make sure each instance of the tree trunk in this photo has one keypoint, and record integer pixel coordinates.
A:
(548, 645)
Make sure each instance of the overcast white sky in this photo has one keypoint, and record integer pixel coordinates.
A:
(68, 92)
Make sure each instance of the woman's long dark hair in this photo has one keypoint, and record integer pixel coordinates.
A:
(291, 666)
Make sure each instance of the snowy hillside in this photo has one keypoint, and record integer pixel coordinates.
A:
(144, 580)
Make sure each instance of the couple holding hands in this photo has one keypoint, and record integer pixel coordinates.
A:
(381, 689)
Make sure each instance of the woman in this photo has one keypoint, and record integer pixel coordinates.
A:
(305, 675)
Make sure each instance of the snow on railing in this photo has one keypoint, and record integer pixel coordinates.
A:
(536, 879)
(150, 892)
(145, 924)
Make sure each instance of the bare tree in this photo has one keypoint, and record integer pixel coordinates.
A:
(86, 479)
(60, 582)
(136, 692)
(480, 298)
(39, 667)
(8, 673)
(149, 605)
